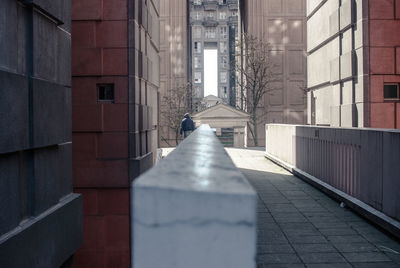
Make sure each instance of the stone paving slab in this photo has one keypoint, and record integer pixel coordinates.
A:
(299, 226)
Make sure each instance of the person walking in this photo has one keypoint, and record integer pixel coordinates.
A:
(187, 126)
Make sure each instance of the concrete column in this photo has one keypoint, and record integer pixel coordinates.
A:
(239, 137)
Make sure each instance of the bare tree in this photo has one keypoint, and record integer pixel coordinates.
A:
(255, 78)
(174, 105)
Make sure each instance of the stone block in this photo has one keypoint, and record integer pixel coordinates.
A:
(51, 113)
(346, 14)
(100, 173)
(86, 62)
(14, 113)
(334, 23)
(11, 200)
(87, 118)
(115, 62)
(87, 10)
(113, 201)
(347, 115)
(140, 164)
(93, 233)
(64, 59)
(115, 117)
(134, 145)
(398, 59)
(59, 232)
(90, 201)
(173, 211)
(9, 50)
(381, 9)
(115, 9)
(112, 145)
(376, 88)
(112, 34)
(84, 34)
(382, 115)
(65, 160)
(384, 33)
(397, 5)
(49, 178)
(117, 232)
(347, 65)
(84, 90)
(360, 88)
(360, 108)
(335, 70)
(45, 48)
(382, 60)
(58, 9)
(335, 116)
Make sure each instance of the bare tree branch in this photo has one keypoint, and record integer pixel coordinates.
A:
(255, 79)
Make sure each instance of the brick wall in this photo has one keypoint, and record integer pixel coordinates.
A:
(113, 42)
(384, 38)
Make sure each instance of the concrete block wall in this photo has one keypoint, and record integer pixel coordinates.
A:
(355, 42)
(113, 42)
(384, 36)
(282, 23)
(336, 69)
(35, 136)
(362, 163)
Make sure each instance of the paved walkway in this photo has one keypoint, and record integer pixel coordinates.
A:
(299, 226)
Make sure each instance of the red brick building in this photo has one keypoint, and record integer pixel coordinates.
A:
(353, 63)
(115, 81)
(384, 49)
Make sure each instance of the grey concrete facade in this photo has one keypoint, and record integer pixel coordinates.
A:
(36, 196)
(337, 62)
(282, 24)
(174, 60)
(214, 24)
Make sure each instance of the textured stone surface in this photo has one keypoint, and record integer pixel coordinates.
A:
(349, 241)
(194, 209)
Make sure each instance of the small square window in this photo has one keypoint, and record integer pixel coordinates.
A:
(391, 91)
(105, 92)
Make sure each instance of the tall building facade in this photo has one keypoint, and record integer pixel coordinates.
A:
(115, 81)
(40, 217)
(353, 63)
(282, 24)
(214, 25)
(174, 60)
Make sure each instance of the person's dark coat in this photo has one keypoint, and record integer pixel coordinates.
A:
(187, 124)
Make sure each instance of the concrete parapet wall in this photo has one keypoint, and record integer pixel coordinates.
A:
(194, 209)
(360, 163)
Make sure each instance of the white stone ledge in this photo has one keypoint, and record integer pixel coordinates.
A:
(194, 209)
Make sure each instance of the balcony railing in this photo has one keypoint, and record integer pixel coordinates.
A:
(210, 22)
(233, 4)
(194, 209)
(210, 5)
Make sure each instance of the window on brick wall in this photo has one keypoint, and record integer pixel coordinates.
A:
(391, 91)
(105, 92)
